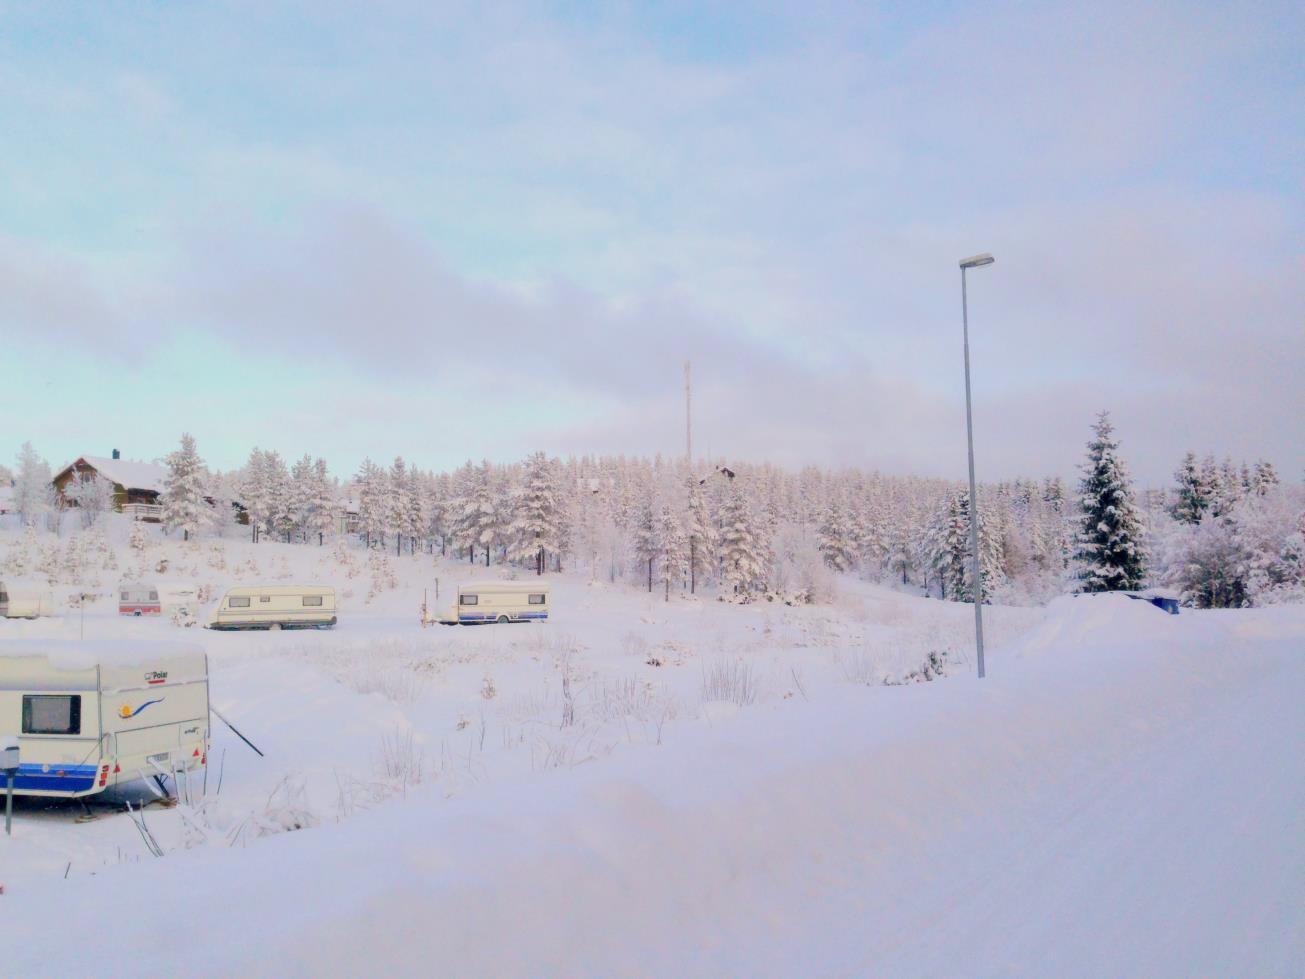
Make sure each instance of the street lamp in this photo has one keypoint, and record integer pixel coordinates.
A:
(973, 262)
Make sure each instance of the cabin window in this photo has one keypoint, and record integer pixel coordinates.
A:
(470, 599)
(536, 599)
(264, 598)
(52, 714)
(241, 601)
(314, 600)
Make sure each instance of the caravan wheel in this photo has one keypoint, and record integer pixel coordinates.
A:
(274, 627)
(136, 613)
(503, 620)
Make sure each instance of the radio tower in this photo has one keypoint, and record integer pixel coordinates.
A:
(688, 411)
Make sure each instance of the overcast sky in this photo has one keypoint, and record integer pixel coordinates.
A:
(455, 231)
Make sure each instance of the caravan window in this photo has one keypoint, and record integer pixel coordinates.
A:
(470, 599)
(239, 601)
(312, 599)
(154, 596)
(264, 598)
(536, 599)
(52, 714)
(124, 596)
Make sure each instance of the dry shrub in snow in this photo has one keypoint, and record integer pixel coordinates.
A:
(730, 681)
(401, 761)
(399, 670)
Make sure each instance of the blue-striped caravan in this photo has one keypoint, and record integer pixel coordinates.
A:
(486, 602)
(91, 715)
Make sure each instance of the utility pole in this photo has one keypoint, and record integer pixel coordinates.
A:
(688, 411)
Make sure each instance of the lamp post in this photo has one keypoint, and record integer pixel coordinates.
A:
(973, 262)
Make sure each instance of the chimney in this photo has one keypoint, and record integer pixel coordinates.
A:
(117, 454)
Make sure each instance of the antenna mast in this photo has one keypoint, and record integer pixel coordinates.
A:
(688, 410)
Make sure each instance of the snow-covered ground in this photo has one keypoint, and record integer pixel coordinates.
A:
(694, 787)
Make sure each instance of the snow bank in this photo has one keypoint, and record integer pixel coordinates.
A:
(72, 655)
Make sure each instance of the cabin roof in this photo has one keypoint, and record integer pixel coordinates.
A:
(128, 473)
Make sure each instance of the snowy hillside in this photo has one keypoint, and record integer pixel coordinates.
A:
(695, 787)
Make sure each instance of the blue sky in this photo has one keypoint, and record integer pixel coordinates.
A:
(451, 230)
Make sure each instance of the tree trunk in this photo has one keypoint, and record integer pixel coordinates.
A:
(693, 566)
(650, 564)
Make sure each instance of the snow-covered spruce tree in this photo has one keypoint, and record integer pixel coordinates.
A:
(836, 540)
(31, 486)
(1110, 545)
(1192, 497)
(949, 548)
(744, 551)
(670, 545)
(536, 529)
(184, 489)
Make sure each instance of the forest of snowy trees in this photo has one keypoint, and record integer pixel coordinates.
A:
(1223, 535)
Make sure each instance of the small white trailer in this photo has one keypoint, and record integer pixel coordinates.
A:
(25, 600)
(145, 598)
(92, 715)
(484, 602)
(275, 607)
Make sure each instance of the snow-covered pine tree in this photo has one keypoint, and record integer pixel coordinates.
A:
(477, 521)
(255, 492)
(1110, 547)
(1191, 495)
(280, 502)
(835, 538)
(700, 533)
(645, 538)
(184, 489)
(670, 545)
(321, 505)
(536, 529)
(1264, 479)
(397, 502)
(302, 495)
(414, 514)
(743, 548)
(371, 502)
(31, 486)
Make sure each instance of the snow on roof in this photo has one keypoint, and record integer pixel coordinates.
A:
(70, 654)
(128, 473)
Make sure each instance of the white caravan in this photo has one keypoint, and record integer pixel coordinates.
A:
(25, 600)
(482, 602)
(141, 598)
(92, 715)
(275, 607)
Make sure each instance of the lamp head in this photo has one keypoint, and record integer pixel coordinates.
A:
(977, 261)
